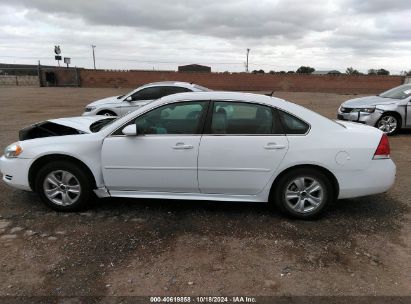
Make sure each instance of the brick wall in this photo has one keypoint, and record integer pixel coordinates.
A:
(64, 77)
(246, 82)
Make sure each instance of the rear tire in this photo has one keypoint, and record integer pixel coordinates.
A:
(107, 113)
(303, 193)
(64, 186)
(389, 123)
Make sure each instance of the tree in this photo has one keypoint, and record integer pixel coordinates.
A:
(305, 70)
(352, 71)
(290, 72)
(271, 72)
(372, 72)
(383, 72)
(258, 71)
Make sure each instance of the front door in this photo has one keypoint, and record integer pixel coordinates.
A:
(163, 155)
(242, 150)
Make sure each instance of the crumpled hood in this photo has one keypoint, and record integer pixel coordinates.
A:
(81, 123)
(108, 100)
(367, 101)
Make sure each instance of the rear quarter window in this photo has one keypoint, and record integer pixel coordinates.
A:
(293, 125)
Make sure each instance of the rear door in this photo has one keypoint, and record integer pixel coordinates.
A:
(241, 149)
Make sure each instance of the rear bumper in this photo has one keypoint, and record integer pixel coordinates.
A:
(365, 118)
(377, 178)
(15, 172)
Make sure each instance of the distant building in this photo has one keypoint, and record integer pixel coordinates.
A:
(332, 72)
(194, 68)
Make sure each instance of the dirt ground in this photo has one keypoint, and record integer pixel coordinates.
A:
(164, 247)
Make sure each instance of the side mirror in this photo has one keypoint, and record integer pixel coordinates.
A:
(130, 130)
(129, 98)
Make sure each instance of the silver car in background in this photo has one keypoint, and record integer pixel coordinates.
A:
(389, 111)
(120, 105)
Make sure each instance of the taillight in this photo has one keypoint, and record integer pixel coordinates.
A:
(383, 149)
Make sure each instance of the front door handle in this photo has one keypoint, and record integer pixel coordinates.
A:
(274, 146)
(182, 146)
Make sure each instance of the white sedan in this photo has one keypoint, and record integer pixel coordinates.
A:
(221, 146)
(120, 105)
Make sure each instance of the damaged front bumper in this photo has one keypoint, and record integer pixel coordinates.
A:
(360, 117)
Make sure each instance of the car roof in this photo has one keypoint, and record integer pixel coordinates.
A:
(169, 83)
(223, 95)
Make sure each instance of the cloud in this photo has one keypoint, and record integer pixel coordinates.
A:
(378, 6)
(142, 34)
(228, 19)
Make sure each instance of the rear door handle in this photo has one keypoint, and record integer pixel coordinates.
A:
(274, 146)
(182, 146)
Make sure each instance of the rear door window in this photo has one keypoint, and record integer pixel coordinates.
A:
(174, 90)
(240, 118)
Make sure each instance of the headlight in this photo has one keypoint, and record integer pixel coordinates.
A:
(89, 109)
(365, 110)
(13, 151)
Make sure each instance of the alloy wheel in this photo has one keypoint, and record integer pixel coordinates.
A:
(388, 124)
(62, 188)
(304, 194)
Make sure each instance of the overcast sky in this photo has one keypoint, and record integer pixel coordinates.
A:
(147, 34)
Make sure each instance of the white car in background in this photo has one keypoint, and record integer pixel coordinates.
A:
(221, 146)
(120, 105)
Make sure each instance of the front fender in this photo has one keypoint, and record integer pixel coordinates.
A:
(84, 148)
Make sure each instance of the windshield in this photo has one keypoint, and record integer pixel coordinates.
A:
(401, 92)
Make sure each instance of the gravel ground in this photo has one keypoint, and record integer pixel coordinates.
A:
(159, 247)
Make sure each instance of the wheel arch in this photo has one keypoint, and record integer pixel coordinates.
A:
(106, 110)
(41, 161)
(394, 113)
(319, 168)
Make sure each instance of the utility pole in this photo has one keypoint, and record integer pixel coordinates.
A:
(39, 73)
(94, 57)
(246, 65)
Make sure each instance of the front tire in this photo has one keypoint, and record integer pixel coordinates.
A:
(389, 123)
(303, 193)
(63, 186)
